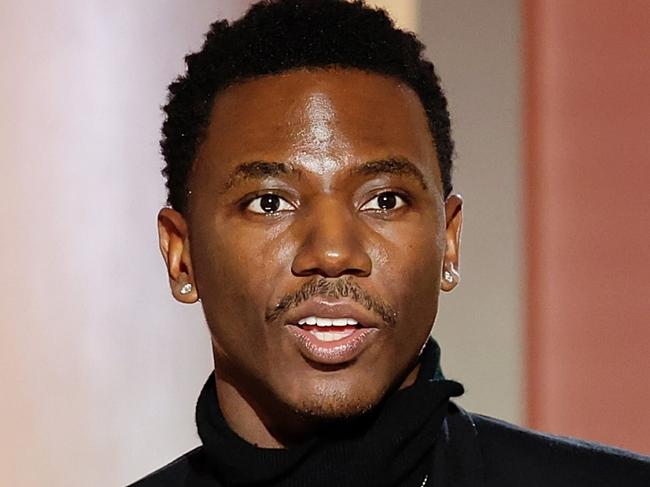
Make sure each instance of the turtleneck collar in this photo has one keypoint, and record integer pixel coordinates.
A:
(391, 445)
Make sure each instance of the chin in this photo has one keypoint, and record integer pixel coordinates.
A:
(332, 400)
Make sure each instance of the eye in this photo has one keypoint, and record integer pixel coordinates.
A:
(268, 204)
(388, 200)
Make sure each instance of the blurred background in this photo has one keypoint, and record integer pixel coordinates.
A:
(100, 368)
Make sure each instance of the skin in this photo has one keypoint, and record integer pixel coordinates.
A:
(325, 127)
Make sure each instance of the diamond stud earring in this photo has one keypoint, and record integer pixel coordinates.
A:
(186, 289)
(448, 276)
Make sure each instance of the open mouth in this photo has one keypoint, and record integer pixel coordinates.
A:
(332, 332)
(331, 341)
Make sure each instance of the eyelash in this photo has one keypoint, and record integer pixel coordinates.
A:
(246, 204)
(406, 201)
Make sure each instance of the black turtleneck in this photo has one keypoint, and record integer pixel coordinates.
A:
(391, 445)
(416, 437)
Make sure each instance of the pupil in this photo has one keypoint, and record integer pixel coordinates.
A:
(387, 201)
(270, 203)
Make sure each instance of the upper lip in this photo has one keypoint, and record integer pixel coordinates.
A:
(328, 308)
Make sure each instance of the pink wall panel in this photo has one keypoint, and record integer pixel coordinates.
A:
(588, 205)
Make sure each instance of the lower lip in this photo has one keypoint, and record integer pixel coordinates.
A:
(332, 352)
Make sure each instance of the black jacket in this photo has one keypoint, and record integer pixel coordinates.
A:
(476, 451)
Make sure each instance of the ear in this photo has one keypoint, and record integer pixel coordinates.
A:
(175, 249)
(454, 219)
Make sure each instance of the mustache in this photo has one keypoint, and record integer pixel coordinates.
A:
(343, 287)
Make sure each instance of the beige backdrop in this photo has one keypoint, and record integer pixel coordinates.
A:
(476, 48)
(99, 367)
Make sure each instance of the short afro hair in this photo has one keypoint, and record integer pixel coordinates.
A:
(275, 36)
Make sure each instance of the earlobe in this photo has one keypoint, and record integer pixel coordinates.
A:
(454, 222)
(450, 278)
(174, 247)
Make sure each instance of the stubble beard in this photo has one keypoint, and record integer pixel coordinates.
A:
(333, 407)
(331, 404)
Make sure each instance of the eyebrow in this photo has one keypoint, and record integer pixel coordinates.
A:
(392, 165)
(258, 170)
(265, 169)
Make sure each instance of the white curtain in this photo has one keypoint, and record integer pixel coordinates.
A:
(99, 368)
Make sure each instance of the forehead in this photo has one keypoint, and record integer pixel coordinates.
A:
(323, 120)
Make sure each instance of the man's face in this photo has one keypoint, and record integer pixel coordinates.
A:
(318, 233)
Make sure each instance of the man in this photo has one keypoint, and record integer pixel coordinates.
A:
(308, 162)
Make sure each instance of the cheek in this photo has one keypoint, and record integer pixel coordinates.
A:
(235, 268)
(235, 277)
(409, 261)
(408, 252)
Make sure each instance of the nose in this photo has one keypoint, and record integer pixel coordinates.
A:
(331, 243)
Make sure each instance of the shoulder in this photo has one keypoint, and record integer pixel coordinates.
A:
(176, 473)
(515, 456)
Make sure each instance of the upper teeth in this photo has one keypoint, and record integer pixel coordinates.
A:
(315, 320)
